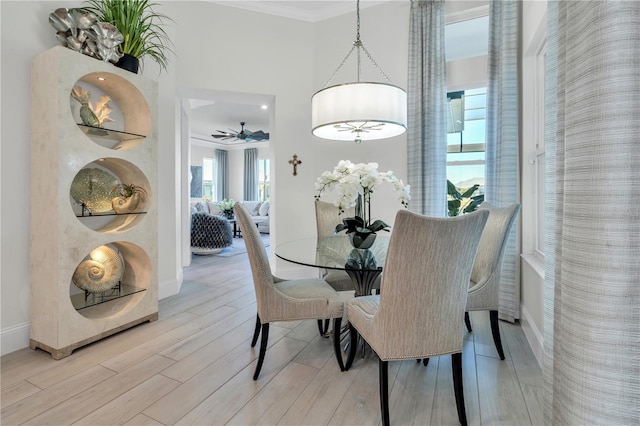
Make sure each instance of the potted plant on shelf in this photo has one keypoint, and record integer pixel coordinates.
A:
(141, 28)
(129, 197)
(355, 184)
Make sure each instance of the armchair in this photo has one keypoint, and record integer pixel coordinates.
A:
(209, 233)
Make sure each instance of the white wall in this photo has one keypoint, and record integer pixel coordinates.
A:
(270, 55)
(18, 47)
(285, 58)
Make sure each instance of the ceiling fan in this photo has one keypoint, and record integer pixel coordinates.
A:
(243, 134)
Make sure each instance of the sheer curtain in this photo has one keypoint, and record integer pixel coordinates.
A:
(426, 118)
(501, 180)
(251, 174)
(222, 175)
(592, 271)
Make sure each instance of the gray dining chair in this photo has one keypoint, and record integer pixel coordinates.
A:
(285, 300)
(420, 309)
(326, 220)
(484, 285)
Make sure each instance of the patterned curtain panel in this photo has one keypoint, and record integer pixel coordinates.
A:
(251, 174)
(222, 175)
(426, 110)
(501, 180)
(592, 271)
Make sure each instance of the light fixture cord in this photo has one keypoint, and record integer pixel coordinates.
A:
(360, 46)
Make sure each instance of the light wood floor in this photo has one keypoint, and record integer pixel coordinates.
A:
(194, 366)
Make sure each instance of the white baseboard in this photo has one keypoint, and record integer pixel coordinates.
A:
(170, 287)
(533, 335)
(14, 338)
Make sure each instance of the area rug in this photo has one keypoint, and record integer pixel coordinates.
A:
(238, 247)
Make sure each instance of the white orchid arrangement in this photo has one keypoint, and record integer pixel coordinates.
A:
(226, 206)
(355, 183)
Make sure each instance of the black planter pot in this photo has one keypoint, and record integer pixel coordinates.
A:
(129, 63)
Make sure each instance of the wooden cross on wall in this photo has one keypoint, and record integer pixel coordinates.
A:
(295, 163)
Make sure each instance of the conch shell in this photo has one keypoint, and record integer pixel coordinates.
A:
(100, 273)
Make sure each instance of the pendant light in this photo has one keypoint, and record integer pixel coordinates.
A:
(359, 111)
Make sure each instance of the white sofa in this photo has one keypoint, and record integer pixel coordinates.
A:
(259, 211)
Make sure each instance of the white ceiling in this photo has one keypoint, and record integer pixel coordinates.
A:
(213, 112)
(303, 10)
(213, 117)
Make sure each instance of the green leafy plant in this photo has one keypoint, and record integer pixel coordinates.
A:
(127, 190)
(462, 202)
(140, 26)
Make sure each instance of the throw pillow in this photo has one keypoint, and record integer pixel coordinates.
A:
(264, 209)
(214, 209)
(202, 207)
(256, 209)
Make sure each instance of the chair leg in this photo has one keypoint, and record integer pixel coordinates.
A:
(320, 327)
(384, 391)
(495, 330)
(456, 366)
(425, 361)
(352, 347)
(467, 321)
(256, 332)
(263, 349)
(337, 322)
(326, 326)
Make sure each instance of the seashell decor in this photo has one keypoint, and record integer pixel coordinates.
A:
(80, 31)
(102, 272)
(91, 187)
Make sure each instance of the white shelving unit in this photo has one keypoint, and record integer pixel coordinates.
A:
(61, 237)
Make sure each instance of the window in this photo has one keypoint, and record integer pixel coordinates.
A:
(208, 186)
(264, 189)
(466, 148)
(539, 149)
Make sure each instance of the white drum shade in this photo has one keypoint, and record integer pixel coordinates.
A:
(359, 111)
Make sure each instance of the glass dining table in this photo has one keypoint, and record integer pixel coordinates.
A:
(336, 252)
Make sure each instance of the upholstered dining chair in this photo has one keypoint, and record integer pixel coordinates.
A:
(419, 312)
(285, 300)
(485, 276)
(326, 220)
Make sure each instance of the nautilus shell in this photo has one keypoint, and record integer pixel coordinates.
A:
(101, 272)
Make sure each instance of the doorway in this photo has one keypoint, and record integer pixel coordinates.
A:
(211, 120)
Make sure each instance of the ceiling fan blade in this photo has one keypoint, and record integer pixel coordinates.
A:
(259, 135)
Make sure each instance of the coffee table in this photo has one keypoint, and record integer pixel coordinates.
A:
(236, 229)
